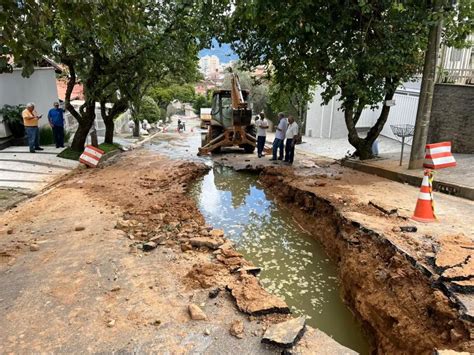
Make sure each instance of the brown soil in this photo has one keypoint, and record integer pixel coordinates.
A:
(386, 275)
(76, 277)
(92, 284)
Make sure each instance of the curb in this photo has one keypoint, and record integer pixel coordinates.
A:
(440, 186)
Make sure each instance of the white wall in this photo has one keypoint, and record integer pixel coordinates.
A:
(325, 121)
(39, 88)
(328, 121)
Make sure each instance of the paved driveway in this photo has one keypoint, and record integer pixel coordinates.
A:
(22, 170)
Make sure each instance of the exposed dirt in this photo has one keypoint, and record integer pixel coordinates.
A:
(105, 262)
(10, 198)
(397, 283)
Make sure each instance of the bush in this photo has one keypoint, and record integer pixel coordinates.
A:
(149, 110)
(13, 118)
(201, 101)
(47, 137)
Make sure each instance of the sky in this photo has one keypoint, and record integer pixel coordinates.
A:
(224, 52)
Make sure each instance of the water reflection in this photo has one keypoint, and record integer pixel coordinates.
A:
(294, 266)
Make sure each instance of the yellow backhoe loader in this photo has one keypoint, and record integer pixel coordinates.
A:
(231, 121)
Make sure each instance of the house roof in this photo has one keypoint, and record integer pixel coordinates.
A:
(77, 91)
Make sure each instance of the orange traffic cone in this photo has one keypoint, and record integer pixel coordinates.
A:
(424, 210)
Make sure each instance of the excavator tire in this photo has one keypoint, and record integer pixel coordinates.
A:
(252, 130)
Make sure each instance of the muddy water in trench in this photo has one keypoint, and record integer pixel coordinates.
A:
(294, 266)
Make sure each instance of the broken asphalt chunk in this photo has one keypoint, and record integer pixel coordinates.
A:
(251, 297)
(285, 334)
(408, 229)
(253, 270)
(149, 246)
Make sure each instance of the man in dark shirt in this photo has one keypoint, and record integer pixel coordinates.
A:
(56, 120)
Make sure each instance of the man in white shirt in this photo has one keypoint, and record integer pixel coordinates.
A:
(291, 134)
(262, 125)
(280, 132)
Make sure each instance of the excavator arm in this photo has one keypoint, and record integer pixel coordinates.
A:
(241, 133)
(236, 94)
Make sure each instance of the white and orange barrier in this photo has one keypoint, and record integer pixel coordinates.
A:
(91, 156)
(424, 210)
(438, 156)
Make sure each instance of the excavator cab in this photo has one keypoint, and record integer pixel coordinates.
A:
(222, 112)
(231, 123)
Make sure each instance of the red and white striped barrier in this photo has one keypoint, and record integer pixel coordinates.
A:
(438, 156)
(91, 156)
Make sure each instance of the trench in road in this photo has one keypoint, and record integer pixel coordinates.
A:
(294, 265)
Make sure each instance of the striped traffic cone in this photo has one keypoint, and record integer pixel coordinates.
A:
(424, 210)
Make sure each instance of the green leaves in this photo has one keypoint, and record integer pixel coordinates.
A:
(360, 50)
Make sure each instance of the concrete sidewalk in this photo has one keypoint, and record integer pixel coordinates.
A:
(458, 181)
(22, 170)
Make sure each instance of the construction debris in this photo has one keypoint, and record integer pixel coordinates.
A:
(237, 328)
(285, 334)
(251, 297)
(196, 313)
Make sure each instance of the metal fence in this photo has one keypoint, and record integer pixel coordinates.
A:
(456, 76)
(457, 64)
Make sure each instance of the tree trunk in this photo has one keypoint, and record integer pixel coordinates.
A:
(80, 136)
(108, 122)
(93, 134)
(136, 128)
(425, 102)
(109, 131)
(86, 115)
(118, 108)
(363, 146)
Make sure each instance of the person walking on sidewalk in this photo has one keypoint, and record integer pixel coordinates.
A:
(291, 134)
(30, 121)
(278, 142)
(56, 121)
(262, 125)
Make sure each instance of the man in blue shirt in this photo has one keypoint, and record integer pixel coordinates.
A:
(56, 120)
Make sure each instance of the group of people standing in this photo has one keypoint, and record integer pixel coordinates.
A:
(287, 129)
(31, 119)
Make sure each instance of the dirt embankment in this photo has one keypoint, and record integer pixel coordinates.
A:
(384, 280)
(120, 259)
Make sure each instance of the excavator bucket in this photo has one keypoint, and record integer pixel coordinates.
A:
(231, 123)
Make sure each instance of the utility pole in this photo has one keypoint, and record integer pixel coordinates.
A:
(425, 102)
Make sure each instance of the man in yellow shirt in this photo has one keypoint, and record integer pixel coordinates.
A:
(30, 121)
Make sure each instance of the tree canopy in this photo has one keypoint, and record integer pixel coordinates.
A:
(109, 45)
(359, 50)
(165, 94)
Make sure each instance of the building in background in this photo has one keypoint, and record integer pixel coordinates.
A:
(449, 121)
(209, 66)
(39, 88)
(457, 64)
